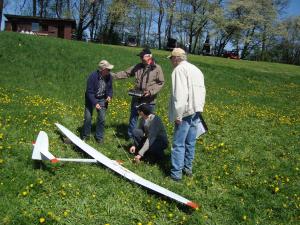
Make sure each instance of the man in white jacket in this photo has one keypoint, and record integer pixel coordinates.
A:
(186, 103)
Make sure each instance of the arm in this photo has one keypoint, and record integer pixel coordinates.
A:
(145, 148)
(124, 74)
(90, 89)
(160, 80)
(179, 91)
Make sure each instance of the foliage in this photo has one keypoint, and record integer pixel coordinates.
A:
(246, 169)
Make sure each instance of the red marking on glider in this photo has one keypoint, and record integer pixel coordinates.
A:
(193, 205)
(55, 160)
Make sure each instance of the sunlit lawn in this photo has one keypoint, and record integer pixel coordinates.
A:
(246, 169)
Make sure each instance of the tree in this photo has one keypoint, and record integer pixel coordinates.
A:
(87, 10)
(34, 7)
(161, 14)
(1, 10)
(288, 47)
(170, 6)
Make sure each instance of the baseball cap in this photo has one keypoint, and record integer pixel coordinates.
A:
(177, 52)
(145, 51)
(104, 64)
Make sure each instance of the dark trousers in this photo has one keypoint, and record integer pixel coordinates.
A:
(155, 151)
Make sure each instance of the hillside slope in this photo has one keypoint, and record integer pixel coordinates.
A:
(246, 168)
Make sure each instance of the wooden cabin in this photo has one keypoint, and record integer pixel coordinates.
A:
(54, 27)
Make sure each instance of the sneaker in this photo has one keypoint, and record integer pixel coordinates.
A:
(84, 138)
(188, 173)
(175, 179)
(99, 141)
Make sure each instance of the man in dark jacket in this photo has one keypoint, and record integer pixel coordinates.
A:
(98, 94)
(150, 137)
(149, 79)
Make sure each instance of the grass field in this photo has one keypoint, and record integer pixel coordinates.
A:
(246, 169)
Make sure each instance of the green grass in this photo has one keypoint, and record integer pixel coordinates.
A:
(246, 169)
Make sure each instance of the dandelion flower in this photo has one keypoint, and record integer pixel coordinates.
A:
(66, 213)
(42, 220)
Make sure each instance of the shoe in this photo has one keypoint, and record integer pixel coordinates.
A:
(175, 179)
(85, 138)
(99, 141)
(188, 173)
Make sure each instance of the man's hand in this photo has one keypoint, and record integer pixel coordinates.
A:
(178, 121)
(147, 93)
(132, 149)
(137, 158)
(98, 106)
(108, 99)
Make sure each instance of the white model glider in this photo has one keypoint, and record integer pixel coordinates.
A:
(40, 152)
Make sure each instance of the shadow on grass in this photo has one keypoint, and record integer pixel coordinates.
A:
(37, 164)
(121, 130)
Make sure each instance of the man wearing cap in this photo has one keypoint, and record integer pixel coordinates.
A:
(98, 94)
(149, 79)
(150, 137)
(186, 103)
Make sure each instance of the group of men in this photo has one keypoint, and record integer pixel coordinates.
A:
(148, 135)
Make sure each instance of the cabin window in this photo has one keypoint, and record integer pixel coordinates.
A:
(35, 27)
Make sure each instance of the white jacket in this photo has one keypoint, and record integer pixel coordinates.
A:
(188, 91)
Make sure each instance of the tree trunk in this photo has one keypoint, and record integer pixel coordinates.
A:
(160, 20)
(149, 27)
(58, 8)
(68, 2)
(263, 47)
(245, 51)
(1, 10)
(139, 25)
(34, 7)
(170, 21)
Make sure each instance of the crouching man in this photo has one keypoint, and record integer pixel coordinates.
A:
(150, 137)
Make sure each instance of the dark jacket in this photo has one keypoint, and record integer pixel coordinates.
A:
(91, 98)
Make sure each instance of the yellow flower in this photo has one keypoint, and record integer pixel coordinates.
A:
(276, 189)
(24, 193)
(42, 220)
(244, 217)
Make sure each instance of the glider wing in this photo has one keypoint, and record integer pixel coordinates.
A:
(113, 165)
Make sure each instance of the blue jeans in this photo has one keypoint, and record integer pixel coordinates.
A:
(183, 148)
(87, 125)
(134, 116)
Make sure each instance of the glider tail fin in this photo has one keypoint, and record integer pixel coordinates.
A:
(41, 148)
